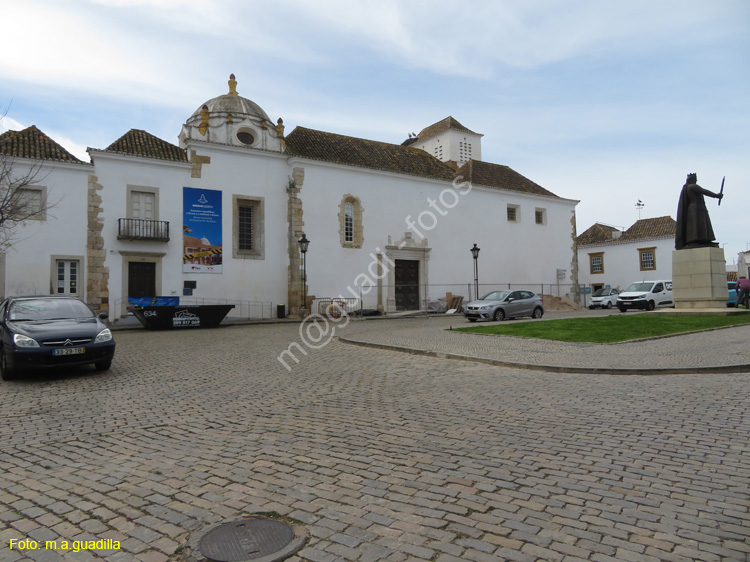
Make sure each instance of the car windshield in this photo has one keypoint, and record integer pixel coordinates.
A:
(601, 293)
(48, 309)
(495, 296)
(639, 288)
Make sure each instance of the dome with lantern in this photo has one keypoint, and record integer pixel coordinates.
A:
(233, 120)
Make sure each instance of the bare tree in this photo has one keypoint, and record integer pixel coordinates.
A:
(21, 196)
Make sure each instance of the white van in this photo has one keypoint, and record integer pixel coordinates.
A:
(646, 295)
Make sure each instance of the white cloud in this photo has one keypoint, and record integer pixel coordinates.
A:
(10, 124)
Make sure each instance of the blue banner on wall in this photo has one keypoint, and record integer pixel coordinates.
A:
(201, 230)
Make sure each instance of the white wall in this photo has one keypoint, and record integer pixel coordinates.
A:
(622, 263)
(28, 260)
(519, 253)
(233, 171)
(450, 142)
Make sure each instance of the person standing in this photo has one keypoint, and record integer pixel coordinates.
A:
(743, 292)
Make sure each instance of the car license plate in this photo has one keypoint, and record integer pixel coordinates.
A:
(69, 351)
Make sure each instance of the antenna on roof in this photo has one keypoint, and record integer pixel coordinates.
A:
(639, 206)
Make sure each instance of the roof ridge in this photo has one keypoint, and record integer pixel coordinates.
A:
(365, 153)
(139, 142)
(33, 143)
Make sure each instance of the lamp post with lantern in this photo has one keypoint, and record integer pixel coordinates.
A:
(303, 244)
(475, 254)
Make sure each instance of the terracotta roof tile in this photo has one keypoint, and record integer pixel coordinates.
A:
(33, 143)
(502, 177)
(644, 229)
(353, 151)
(140, 143)
(441, 126)
(596, 234)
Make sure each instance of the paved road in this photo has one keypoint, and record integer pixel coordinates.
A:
(381, 455)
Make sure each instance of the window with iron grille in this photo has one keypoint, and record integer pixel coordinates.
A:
(248, 225)
(245, 237)
(512, 213)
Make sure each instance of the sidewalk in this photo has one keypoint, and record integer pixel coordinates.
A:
(725, 350)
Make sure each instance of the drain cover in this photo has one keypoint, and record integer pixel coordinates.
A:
(246, 539)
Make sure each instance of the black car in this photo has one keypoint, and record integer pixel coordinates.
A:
(51, 331)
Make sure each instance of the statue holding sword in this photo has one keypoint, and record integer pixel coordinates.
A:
(693, 223)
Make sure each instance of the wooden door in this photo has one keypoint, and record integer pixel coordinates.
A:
(407, 284)
(141, 279)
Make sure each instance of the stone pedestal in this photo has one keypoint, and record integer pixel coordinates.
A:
(699, 278)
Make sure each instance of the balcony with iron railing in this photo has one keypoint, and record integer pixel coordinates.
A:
(143, 229)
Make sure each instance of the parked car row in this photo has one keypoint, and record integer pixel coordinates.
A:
(646, 295)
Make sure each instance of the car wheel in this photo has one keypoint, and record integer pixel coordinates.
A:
(499, 315)
(623, 309)
(537, 314)
(591, 307)
(472, 319)
(103, 365)
(5, 372)
(609, 305)
(650, 305)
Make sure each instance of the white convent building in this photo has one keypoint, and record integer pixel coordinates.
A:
(218, 217)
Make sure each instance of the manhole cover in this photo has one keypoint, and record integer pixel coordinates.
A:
(245, 539)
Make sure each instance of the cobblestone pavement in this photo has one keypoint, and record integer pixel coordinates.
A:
(381, 455)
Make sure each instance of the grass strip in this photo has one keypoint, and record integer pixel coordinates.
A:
(609, 329)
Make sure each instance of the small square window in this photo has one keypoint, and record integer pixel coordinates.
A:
(513, 213)
(29, 203)
(540, 216)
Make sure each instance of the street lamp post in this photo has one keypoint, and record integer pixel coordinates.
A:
(475, 253)
(303, 244)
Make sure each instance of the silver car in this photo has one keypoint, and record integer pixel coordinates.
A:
(499, 305)
(606, 298)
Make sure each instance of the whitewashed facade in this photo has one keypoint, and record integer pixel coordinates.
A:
(610, 257)
(373, 212)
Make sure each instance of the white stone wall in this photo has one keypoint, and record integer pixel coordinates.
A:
(233, 171)
(622, 263)
(28, 260)
(520, 253)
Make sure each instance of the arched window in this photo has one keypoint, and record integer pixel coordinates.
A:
(348, 222)
(351, 230)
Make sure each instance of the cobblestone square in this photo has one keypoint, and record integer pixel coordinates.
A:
(381, 455)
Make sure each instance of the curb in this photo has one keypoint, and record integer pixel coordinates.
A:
(717, 370)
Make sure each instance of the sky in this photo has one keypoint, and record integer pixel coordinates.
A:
(609, 103)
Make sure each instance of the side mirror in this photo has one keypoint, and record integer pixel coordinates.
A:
(103, 316)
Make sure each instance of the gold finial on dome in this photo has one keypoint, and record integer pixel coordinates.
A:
(232, 85)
